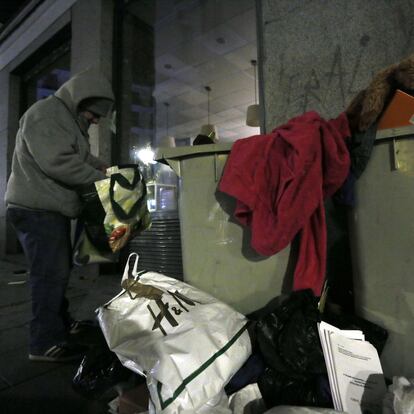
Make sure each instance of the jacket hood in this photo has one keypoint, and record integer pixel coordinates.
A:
(90, 83)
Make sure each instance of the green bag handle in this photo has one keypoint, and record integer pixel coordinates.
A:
(120, 213)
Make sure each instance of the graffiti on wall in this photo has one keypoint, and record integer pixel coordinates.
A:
(316, 88)
(326, 83)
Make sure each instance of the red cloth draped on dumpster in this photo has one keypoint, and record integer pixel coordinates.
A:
(280, 181)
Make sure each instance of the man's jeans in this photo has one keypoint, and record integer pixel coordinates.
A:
(45, 238)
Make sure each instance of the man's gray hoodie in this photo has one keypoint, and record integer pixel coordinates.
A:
(52, 157)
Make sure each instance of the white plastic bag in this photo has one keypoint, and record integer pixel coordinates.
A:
(187, 343)
(248, 400)
(400, 397)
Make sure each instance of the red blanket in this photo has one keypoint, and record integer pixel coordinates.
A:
(280, 180)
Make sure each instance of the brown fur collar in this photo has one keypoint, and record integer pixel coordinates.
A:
(368, 105)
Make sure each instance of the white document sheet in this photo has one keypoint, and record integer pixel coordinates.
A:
(354, 370)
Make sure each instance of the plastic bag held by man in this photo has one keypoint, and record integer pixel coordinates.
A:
(115, 210)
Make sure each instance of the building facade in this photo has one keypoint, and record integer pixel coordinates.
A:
(161, 56)
(178, 65)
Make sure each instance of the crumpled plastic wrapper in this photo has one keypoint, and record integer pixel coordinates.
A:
(400, 397)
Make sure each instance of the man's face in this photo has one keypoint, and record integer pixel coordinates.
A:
(91, 117)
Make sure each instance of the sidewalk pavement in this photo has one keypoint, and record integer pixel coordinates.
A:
(41, 388)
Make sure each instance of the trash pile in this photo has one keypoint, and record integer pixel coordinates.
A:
(176, 349)
(171, 348)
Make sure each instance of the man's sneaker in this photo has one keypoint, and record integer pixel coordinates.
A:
(60, 353)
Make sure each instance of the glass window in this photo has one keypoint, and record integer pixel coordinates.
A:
(185, 67)
(46, 78)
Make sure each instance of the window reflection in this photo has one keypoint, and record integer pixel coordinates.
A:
(172, 50)
(45, 79)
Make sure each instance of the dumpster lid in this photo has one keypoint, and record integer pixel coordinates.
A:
(399, 132)
(172, 156)
(162, 154)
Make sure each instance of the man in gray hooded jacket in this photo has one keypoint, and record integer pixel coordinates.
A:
(51, 159)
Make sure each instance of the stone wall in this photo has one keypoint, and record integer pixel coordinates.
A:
(317, 54)
(92, 46)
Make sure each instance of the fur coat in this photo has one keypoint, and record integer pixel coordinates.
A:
(368, 105)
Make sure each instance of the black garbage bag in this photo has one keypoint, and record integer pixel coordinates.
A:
(279, 389)
(287, 337)
(99, 370)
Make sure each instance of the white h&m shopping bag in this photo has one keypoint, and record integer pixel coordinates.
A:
(187, 343)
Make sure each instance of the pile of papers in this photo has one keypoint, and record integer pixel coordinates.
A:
(354, 370)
